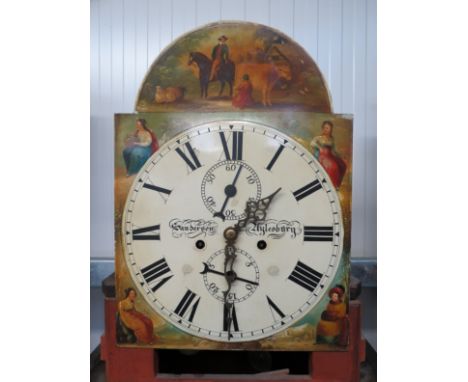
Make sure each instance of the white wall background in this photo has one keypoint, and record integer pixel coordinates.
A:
(340, 35)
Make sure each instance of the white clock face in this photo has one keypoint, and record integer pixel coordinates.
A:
(195, 187)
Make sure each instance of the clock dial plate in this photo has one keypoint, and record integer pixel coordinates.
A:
(197, 185)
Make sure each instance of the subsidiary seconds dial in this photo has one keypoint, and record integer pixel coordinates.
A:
(225, 180)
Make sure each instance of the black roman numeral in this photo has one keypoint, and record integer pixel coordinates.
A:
(147, 233)
(194, 309)
(274, 307)
(305, 276)
(157, 188)
(155, 271)
(307, 190)
(194, 163)
(185, 304)
(275, 157)
(237, 140)
(233, 318)
(316, 233)
(158, 285)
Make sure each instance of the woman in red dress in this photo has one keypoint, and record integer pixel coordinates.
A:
(324, 150)
(141, 325)
(243, 97)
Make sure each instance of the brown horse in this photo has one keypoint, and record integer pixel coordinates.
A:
(264, 76)
(226, 73)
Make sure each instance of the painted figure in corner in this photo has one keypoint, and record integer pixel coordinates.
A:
(139, 146)
(133, 326)
(333, 326)
(323, 147)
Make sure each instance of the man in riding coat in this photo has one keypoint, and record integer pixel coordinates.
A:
(219, 55)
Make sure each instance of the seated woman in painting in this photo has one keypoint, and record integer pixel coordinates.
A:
(139, 147)
(333, 325)
(243, 97)
(139, 325)
(323, 147)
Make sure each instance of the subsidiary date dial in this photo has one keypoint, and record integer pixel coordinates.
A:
(246, 276)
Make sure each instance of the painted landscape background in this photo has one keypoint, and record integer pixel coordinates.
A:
(271, 60)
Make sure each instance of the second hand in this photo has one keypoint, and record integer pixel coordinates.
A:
(230, 190)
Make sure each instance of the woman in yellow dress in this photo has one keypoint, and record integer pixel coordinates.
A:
(333, 325)
(141, 325)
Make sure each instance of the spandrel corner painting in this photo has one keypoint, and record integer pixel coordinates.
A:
(233, 66)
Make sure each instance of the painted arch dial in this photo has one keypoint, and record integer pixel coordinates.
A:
(197, 185)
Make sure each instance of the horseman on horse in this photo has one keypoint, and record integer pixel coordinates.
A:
(220, 68)
(219, 55)
(225, 73)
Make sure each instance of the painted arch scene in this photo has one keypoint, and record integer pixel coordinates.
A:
(233, 66)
